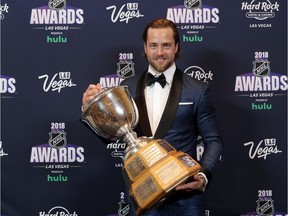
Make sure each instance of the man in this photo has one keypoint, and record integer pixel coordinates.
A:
(176, 108)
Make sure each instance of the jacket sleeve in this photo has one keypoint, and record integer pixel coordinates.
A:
(209, 132)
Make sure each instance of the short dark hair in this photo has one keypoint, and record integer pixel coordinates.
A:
(163, 23)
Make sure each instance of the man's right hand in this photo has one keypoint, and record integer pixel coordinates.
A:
(90, 92)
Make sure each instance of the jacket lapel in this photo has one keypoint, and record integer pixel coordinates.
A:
(171, 105)
(169, 111)
(144, 124)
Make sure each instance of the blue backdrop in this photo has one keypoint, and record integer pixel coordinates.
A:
(52, 164)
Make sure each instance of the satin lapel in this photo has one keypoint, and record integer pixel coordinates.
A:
(171, 105)
(144, 124)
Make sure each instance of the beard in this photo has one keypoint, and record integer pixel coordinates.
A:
(160, 64)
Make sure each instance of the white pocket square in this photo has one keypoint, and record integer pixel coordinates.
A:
(185, 103)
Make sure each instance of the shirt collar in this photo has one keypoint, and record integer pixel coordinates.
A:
(169, 73)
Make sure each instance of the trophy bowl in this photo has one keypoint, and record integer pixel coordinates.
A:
(152, 168)
(111, 113)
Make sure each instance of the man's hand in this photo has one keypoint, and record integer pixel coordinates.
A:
(196, 182)
(90, 92)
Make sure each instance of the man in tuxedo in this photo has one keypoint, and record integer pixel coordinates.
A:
(174, 107)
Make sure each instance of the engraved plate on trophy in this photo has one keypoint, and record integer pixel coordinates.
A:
(152, 168)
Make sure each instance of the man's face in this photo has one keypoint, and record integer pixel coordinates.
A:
(160, 48)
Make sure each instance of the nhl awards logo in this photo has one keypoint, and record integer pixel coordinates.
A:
(125, 69)
(125, 66)
(265, 206)
(123, 207)
(261, 67)
(57, 4)
(192, 4)
(57, 139)
(57, 156)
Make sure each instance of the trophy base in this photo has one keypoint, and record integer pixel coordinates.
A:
(159, 181)
(144, 158)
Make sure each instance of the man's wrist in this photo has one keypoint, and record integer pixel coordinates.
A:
(205, 181)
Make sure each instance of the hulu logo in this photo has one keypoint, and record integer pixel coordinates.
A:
(57, 39)
(58, 178)
(194, 38)
(263, 106)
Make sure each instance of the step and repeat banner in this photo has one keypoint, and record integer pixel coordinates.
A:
(51, 50)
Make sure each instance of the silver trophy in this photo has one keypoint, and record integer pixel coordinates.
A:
(152, 168)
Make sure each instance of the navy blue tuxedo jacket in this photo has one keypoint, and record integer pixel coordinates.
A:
(189, 112)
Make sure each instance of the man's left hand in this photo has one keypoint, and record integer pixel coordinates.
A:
(195, 183)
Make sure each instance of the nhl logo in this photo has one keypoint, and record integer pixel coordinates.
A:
(123, 208)
(57, 139)
(57, 4)
(192, 4)
(261, 68)
(265, 207)
(125, 69)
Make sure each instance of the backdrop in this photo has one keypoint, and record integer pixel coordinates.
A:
(52, 164)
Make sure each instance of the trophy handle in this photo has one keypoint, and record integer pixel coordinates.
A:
(134, 105)
(136, 113)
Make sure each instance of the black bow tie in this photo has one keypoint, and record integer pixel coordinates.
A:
(150, 79)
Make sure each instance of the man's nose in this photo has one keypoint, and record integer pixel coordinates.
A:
(160, 50)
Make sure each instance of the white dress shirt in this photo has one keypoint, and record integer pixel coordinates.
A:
(156, 96)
